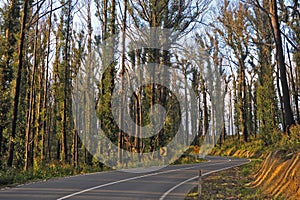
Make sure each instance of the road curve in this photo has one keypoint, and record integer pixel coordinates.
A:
(171, 182)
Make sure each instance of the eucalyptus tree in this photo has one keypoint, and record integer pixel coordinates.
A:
(289, 118)
(106, 12)
(17, 92)
(266, 101)
(10, 27)
(291, 17)
(178, 18)
(234, 31)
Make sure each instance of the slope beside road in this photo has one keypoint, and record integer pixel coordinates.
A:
(170, 182)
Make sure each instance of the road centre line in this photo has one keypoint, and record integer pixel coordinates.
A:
(133, 178)
(195, 177)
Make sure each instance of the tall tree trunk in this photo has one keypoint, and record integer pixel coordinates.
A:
(46, 85)
(205, 109)
(255, 110)
(65, 120)
(186, 102)
(289, 119)
(31, 115)
(56, 88)
(293, 82)
(37, 103)
(121, 115)
(242, 101)
(18, 86)
(230, 120)
(244, 107)
(89, 94)
(138, 141)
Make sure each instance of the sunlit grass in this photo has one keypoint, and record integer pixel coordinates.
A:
(230, 184)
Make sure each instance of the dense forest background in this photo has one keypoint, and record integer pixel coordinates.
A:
(253, 44)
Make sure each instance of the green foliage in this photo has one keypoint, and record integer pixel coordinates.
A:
(256, 147)
(51, 170)
(105, 115)
(291, 141)
(12, 176)
(188, 159)
(233, 147)
(266, 107)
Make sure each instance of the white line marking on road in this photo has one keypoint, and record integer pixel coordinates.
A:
(195, 177)
(129, 179)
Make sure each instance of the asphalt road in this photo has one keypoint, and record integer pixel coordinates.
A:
(171, 182)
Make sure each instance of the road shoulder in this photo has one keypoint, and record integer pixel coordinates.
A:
(232, 183)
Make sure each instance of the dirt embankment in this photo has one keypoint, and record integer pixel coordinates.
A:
(279, 175)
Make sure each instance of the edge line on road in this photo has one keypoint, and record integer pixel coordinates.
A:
(195, 177)
(132, 178)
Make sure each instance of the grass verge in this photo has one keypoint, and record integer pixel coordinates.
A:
(230, 184)
(11, 177)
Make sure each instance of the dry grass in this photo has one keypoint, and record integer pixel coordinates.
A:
(280, 175)
(230, 184)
